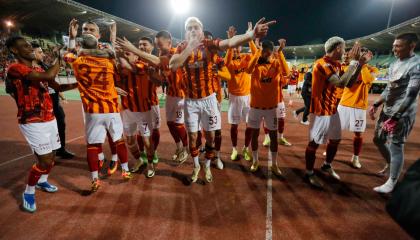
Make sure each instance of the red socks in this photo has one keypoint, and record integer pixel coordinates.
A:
(248, 136)
(234, 134)
(310, 155)
(357, 145)
(182, 133)
(122, 151)
(217, 140)
(174, 131)
(35, 173)
(92, 156)
(281, 125)
(331, 151)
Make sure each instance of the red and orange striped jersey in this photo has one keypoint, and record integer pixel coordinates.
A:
(265, 81)
(197, 72)
(141, 91)
(32, 99)
(96, 83)
(174, 79)
(324, 94)
(356, 96)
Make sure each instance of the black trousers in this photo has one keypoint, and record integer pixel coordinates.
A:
(305, 109)
(60, 117)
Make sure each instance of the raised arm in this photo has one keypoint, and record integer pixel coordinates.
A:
(126, 45)
(253, 62)
(178, 59)
(48, 75)
(260, 30)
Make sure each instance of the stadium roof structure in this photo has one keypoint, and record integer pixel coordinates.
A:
(51, 18)
(378, 42)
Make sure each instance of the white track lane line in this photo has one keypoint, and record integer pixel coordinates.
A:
(27, 155)
(269, 214)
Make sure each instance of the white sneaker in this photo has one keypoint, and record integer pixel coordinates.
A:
(328, 169)
(209, 176)
(219, 164)
(195, 173)
(387, 187)
(355, 162)
(182, 156)
(295, 115)
(304, 123)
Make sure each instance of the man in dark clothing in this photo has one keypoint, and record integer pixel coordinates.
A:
(306, 95)
(57, 108)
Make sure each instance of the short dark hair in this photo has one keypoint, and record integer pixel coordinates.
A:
(208, 34)
(35, 45)
(165, 34)
(267, 44)
(149, 39)
(11, 41)
(408, 37)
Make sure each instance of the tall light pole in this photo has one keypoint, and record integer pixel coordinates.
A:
(180, 7)
(390, 13)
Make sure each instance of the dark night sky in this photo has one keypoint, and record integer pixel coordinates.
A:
(300, 21)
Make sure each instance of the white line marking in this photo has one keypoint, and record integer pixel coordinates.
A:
(269, 214)
(27, 155)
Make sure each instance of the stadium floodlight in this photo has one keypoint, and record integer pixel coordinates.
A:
(9, 23)
(180, 6)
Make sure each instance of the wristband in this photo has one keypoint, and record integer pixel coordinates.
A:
(72, 43)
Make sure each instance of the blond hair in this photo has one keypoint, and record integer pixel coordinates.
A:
(193, 19)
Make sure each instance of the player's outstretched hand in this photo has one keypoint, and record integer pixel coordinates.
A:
(125, 45)
(73, 28)
(261, 28)
(282, 43)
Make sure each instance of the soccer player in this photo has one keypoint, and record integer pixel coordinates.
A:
(63, 153)
(141, 106)
(399, 100)
(325, 121)
(239, 95)
(194, 58)
(265, 73)
(28, 85)
(90, 27)
(175, 93)
(95, 73)
(281, 107)
(353, 105)
(291, 87)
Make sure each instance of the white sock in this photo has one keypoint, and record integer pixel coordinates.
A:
(179, 145)
(234, 149)
(196, 161)
(254, 156)
(217, 154)
(267, 135)
(207, 162)
(43, 178)
(114, 157)
(30, 189)
(94, 175)
(281, 135)
(101, 156)
(124, 166)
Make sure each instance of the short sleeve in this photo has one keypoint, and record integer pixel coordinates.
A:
(18, 71)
